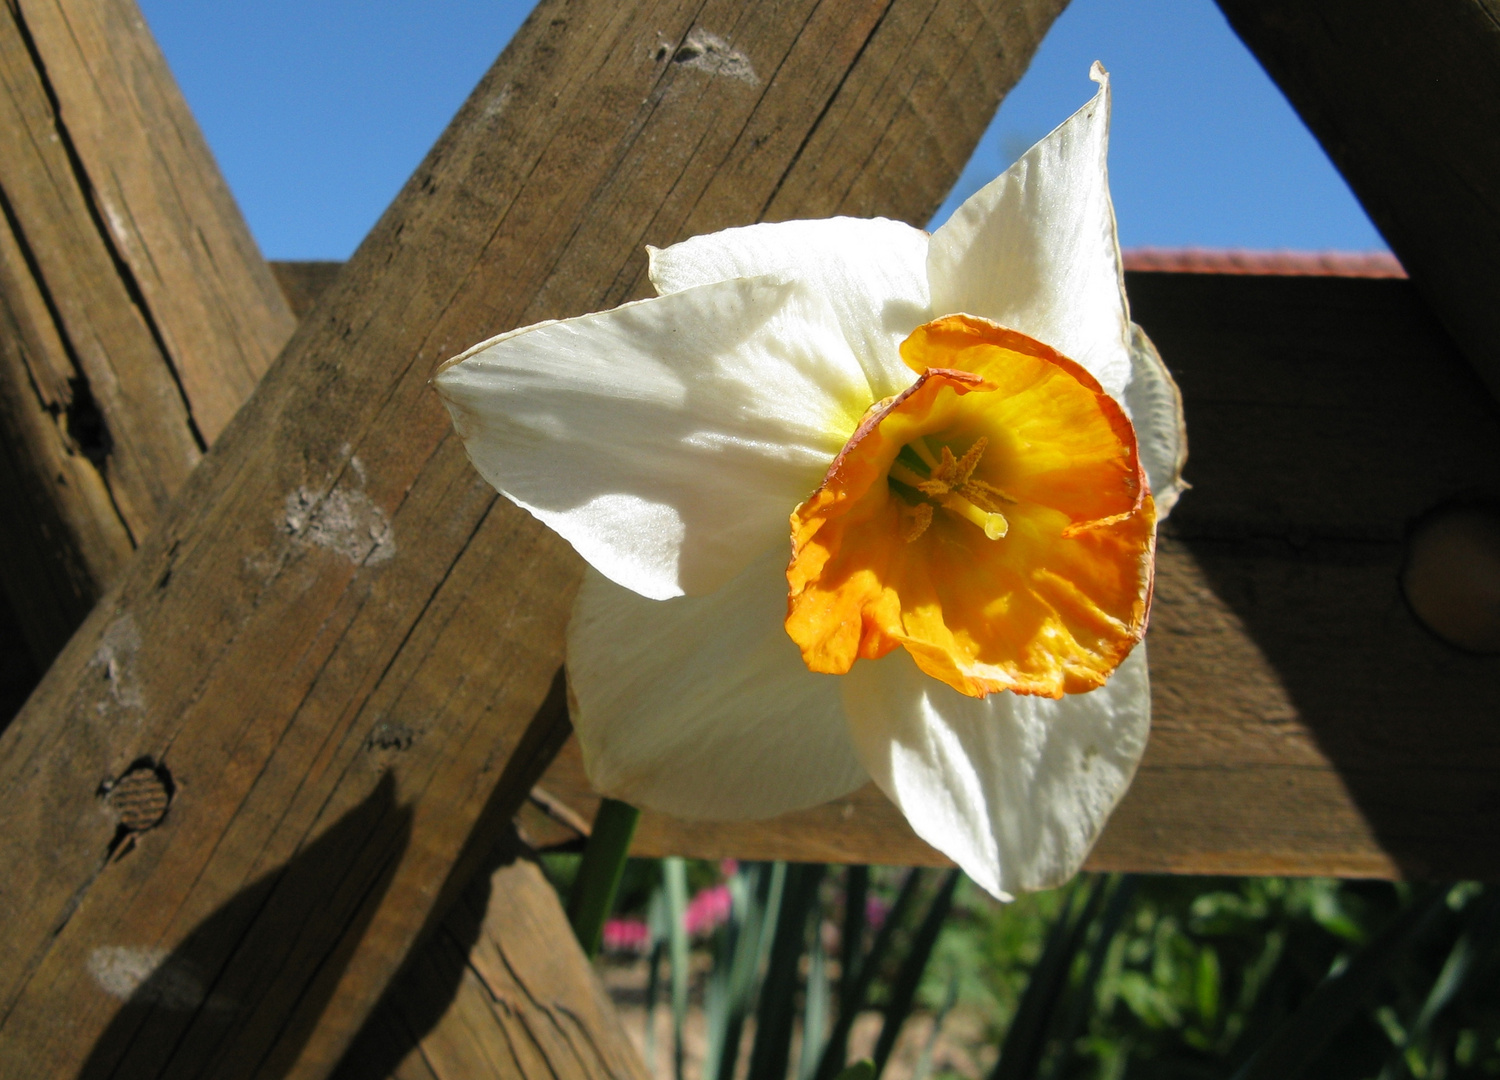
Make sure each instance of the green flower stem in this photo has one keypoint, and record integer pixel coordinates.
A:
(593, 894)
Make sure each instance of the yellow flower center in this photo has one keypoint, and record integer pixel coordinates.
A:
(992, 519)
(951, 485)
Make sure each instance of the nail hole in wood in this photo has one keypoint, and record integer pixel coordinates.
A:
(141, 795)
(390, 735)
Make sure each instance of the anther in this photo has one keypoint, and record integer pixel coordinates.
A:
(914, 520)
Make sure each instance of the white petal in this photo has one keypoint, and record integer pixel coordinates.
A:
(1035, 249)
(701, 706)
(1013, 789)
(1155, 407)
(873, 273)
(667, 440)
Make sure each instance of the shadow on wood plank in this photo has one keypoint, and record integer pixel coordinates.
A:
(18, 670)
(1319, 434)
(395, 1037)
(173, 1016)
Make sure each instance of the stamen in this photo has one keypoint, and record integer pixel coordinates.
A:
(914, 520)
(951, 488)
(923, 451)
(907, 476)
(973, 487)
(969, 461)
(994, 525)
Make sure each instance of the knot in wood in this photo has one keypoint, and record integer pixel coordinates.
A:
(140, 798)
(1451, 574)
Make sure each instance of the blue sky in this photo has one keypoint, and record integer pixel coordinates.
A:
(318, 110)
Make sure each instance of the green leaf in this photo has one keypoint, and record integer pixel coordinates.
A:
(852, 939)
(863, 1069)
(816, 1003)
(1298, 1042)
(753, 890)
(904, 988)
(674, 882)
(1084, 995)
(1026, 1041)
(593, 894)
(852, 1001)
(778, 994)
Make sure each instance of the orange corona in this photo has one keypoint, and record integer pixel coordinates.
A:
(993, 519)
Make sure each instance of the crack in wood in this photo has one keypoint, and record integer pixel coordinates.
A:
(106, 236)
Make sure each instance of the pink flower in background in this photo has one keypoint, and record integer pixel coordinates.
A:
(626, 935)
(875, 912)
(707, 911)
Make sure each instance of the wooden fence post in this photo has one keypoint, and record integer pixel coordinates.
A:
(328, 654)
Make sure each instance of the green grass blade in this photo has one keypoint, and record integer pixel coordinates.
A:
(674, 886)
(924, 1060)
(593, 893)
(816, 1002)
(774, 1018)
(763, 884)
(718, 996)
(1081, 998)
(770, 911)
(1026, 1041)
(852, 934)
(654, 955)
(909, 976)
(1300, 1039)
(656, 949)
(1480, 934)
(1476, 940)
(831, 1064)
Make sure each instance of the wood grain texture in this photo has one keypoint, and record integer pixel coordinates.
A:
(1302, 721)
(502, 991)
(1406, 100)
(136, 314)
(339, 631)
(304, 282)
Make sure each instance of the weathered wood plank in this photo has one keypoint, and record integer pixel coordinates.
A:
(1303, 722)
(148, 187)
(1406, 100)
(338, 626)
(201, 310)
(135, 312)
(302, 283)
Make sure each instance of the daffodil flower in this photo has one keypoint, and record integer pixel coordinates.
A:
(941, 427)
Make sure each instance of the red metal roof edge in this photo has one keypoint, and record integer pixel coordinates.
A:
(1370, 264)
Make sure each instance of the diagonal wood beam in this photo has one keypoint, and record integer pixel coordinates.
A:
(1405, 98)
(135, 312)
(338, 626)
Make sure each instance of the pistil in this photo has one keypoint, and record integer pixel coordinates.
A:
(994, 525)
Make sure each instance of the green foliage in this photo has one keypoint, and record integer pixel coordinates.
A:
(1151, 978)
(1200, 974)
